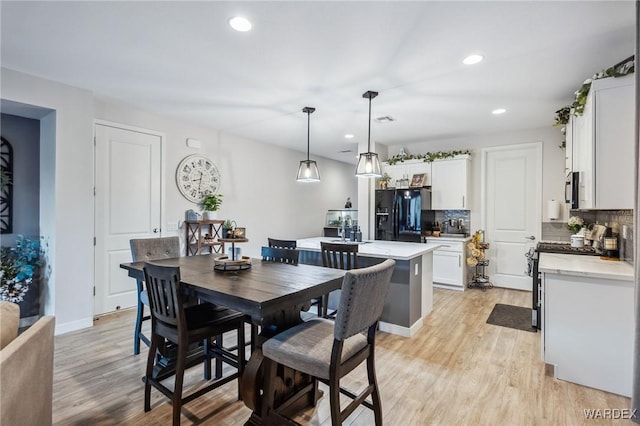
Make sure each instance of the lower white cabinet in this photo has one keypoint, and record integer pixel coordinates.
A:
(588, 330)
(449, 264)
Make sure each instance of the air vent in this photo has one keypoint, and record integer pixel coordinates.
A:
(385, 119)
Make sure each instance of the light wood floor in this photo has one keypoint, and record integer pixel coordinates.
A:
(457, 370)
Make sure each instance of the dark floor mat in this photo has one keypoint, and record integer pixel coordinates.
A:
(511, 316)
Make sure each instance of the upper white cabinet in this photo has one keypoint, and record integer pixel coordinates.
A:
(408, 168)
(602, 142)
(450, 184)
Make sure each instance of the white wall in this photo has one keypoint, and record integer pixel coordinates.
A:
(553, 172)
(66, 192)
(257, 180)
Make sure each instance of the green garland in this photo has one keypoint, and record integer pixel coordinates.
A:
(577, 107)
(429, 157)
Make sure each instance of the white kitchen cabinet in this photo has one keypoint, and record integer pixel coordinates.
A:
(407, 168)
(450, 184)
(603, 145)
(449, 264)
(588, 330)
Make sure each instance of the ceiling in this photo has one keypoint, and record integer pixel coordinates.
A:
(181, 59)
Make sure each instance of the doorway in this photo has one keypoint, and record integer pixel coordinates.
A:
(128, 187)
(511, 189)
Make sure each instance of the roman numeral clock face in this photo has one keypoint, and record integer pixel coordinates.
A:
(197, 177)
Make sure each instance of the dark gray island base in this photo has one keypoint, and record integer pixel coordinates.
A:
(410, 297)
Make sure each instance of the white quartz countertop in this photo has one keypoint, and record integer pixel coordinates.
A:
(375, 248)
(586, 266)
(448, 239)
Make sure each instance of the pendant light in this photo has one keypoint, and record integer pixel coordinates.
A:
(308, 170)
(369, 164)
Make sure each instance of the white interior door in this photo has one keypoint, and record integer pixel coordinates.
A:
(512, 216)
(127, 205)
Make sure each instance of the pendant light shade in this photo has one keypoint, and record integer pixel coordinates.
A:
(368, 163)
(308, 170)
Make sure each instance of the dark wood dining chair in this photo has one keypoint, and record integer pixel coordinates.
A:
(329, 350)
(286, 244)
(337, 256)
(145, 249)
(284, 255)
(184, 326)
(318, 302)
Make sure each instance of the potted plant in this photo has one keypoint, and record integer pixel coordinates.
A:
(19, 266)
(211, 203)
(228, 229)
(384, 180)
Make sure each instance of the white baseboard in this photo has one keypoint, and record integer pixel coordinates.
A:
(400, 330)
(448, 287)
(73, 326)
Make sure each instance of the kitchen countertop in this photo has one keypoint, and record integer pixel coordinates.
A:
(461, 239)
(587, 266)
(375, 248)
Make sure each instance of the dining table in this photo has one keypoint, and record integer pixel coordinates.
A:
(272, 294)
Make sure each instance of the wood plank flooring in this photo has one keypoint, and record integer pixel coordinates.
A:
(457, 370)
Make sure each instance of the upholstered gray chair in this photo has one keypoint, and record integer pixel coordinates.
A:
(146, 249)
(328, 350)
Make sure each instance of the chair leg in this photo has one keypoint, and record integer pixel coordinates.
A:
(268, 398)
(220, 344)
(206, 346)
(155, 341)
(138, 329)
(241, 357)
(334, 400)
(375, 395)
(179, 379)
(320, 306)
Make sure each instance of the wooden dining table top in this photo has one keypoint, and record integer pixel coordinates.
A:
(264, 288)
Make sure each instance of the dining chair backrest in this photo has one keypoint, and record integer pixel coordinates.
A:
(286, 244)
(339, 256)
(154, 248)
(364, 292)
(165, 300)
(276, 254)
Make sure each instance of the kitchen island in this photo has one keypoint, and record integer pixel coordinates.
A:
(410, 297)
(588, 320)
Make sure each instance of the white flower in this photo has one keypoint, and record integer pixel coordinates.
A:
(587, 81)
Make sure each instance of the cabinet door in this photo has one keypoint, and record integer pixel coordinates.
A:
(568, 151)
(583, 151)
(614, 137)
(447, 268)
(449, 184)
(417, 168)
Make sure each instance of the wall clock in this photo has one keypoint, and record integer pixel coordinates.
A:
(197, 177)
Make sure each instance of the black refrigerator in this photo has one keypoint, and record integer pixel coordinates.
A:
(403, 214)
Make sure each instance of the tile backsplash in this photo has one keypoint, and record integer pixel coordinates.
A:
(621, 222)
(442, 216)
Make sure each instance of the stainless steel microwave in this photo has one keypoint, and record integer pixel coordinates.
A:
(572, 190)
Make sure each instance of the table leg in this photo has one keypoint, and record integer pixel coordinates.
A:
(288, 381)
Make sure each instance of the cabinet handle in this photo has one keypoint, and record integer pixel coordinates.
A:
(463, 201)
(155, 230)
(459, 261)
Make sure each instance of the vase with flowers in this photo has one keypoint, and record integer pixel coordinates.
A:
(19, 266)
(575, 224)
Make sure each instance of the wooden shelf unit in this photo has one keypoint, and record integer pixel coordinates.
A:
(195, 233)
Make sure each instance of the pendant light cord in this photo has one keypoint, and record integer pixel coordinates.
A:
(369, 135)
(308, 131)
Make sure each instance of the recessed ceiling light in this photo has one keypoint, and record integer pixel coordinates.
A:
(348, 136)
(498, 111)
(239, 23)
(472, 59)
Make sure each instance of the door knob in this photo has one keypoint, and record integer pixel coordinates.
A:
(155, 230)
(530, 237)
